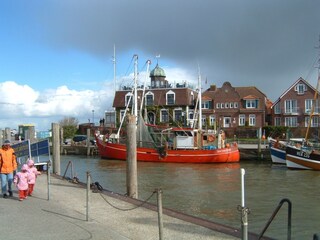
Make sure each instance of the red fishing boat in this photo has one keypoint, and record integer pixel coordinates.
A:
(181, 150)
(174, 145)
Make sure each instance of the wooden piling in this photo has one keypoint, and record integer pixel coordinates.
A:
(88, 142)
(132, 185)
(7, 134)
(259, 143)
(56, 148)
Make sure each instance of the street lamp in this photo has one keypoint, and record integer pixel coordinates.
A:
(93, 117)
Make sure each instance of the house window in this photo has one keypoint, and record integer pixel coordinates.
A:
(277, 121)
(290, 106)
(122, 112)
(164, 115)
(316, 107)
(235, 105)
(212, 120)
(222, 105)
(129, 99)
(277, 109)
(190, 115)
(206, 105)
(170, 98)
(149, 99)
(314, 121)
(177, 114)
(300, 88)
(291, 122)
(251, 103)
(308, 106)
(227, 105)
(231, 105)
(204, 120)
(242, 120)
(252, 120)
(218, 105)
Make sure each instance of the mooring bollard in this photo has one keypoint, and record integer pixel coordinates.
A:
(159, 200)
(88, 195)
(244, 210)
(48, 178)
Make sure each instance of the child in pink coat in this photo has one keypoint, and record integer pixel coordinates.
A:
(33, 172)
(21, 182)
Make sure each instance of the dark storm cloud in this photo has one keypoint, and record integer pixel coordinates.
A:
(269, 44)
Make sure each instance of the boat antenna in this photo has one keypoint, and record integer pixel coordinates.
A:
(315, 94)
(114, 79)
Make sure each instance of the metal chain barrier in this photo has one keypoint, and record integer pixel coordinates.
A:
(100, 189)
(128, 209)
(118, 208)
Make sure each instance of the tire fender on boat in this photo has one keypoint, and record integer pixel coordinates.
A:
(163, 154)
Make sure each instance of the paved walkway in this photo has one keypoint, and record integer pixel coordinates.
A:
(63, 217)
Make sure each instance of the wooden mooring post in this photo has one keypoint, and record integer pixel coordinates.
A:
(132, 181)
(56, 148)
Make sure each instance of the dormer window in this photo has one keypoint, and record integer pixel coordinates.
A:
(206, 104)
(170, 97)
(129, 99)
(251, 103)
(300, 88)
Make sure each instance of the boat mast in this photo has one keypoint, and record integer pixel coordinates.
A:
(135, 85)
(315, 95)
(114, 68)
(200, 100)
(144, 85)
(114, 80)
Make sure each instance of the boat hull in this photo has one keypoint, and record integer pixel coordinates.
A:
(119, 151)
(278, 156)
(299, 158)
(278, 153)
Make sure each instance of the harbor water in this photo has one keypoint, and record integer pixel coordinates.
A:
(213, 191)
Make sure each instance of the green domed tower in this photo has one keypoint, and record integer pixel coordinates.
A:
(158, 76)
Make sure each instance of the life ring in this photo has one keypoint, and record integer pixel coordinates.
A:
(211, 138)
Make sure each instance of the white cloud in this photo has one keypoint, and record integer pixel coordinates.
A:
(23, 104)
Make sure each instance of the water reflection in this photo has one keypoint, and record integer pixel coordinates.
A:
(213, 191)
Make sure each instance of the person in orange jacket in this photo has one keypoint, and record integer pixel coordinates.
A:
(8, 164)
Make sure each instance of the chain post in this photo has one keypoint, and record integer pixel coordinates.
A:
(88, 196)
(48, 178)
(160, 222)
